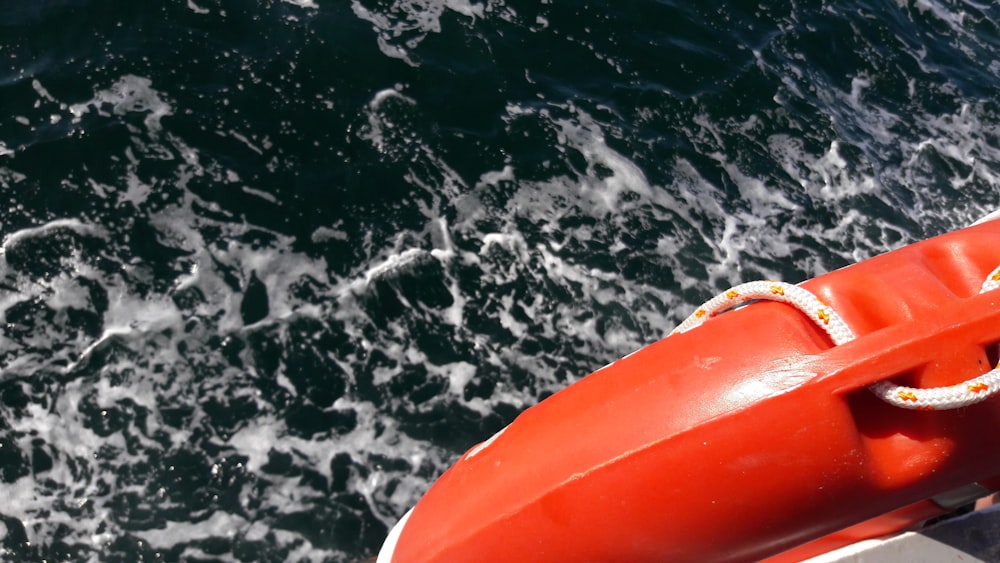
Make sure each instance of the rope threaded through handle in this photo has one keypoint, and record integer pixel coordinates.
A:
(970, 392)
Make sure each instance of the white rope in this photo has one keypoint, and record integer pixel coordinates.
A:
(819, 313)
(967, 393)
(992, 281)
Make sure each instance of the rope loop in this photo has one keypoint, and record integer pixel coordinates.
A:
(975, 390)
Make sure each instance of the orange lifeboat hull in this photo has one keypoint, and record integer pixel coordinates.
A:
(746, 437)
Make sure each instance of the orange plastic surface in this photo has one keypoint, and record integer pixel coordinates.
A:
(743, 438)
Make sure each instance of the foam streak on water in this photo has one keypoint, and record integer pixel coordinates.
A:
(269, 268)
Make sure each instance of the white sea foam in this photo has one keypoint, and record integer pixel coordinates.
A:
(494, 178)
(42, 91)
(828, 176)
(153, 326)
(410, 21)
(323, 234)
(380, 125)
(196, 8)
(131, 94)
(75, 225)
(303, 3)
(395, 263)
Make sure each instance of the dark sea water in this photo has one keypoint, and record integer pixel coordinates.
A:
(269, 267)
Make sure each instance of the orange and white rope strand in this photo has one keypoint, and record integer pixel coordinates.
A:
(967, 393)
